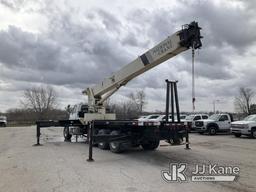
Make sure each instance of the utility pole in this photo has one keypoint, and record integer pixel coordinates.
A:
(214, 107)
(193, 79)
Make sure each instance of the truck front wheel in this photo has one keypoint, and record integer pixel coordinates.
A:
(237, 134)
(212, 130)
(66, 134)
(150, 145)
(254, 133)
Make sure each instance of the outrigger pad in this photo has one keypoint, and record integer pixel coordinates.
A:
(35, 145)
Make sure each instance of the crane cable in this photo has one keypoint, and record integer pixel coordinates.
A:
(193, 78)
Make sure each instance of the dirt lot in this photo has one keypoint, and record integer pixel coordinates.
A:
(62, 166)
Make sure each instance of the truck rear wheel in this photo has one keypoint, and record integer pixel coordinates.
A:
(212, 130)
(150, 145)
(116, 146)
(66, 134)
(103, 145)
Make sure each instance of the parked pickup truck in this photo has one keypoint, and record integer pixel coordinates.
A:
(245, 127)
(3, 121)
(215, 123)
(191, 119)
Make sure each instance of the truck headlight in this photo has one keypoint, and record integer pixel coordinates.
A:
(246, 126)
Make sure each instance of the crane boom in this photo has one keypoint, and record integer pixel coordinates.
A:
(187, 37)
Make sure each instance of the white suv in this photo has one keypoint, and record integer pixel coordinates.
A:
(245, 127)
(3, 121)
(191, 119)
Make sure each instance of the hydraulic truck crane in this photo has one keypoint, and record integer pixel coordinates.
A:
(94, 120)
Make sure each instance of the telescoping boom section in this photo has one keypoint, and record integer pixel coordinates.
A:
(188, 37)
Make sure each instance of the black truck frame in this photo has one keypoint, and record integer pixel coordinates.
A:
(118, 135)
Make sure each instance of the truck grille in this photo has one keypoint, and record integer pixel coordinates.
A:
(237, 126)
(199, 124)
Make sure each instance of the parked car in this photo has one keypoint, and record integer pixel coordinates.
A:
(182, 117)
(191, 119)
(215, 123)
(141, 118)
(154, 119)
(3, 121)
(247, 126)
(150, 118)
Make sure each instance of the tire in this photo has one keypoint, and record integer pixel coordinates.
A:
(201, 133)
(253, 134)
(212, 131)
(103, 145)
(237, 134)
(176, 141)
(150, 145)
(116, 146)
(66, 134)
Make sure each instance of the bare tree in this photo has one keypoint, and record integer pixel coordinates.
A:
(244, 100)
(131, 108)
(125, 110)
(40, 99)
(139, 99)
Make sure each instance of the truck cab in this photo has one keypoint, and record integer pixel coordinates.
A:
(215, 123)
(247, 126)
(77, 111)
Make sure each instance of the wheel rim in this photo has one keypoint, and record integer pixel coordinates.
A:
(212, 131)
(65, 132)
(100, 144)
(114, 145)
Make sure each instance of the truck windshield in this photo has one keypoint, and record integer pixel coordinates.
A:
(250, 118)
(214, 117)
(153, 117)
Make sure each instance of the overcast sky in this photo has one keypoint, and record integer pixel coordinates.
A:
(74, 44)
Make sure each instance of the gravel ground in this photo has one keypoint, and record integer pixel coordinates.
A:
(62, 166)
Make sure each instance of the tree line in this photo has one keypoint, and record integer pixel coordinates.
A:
(41, 103)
